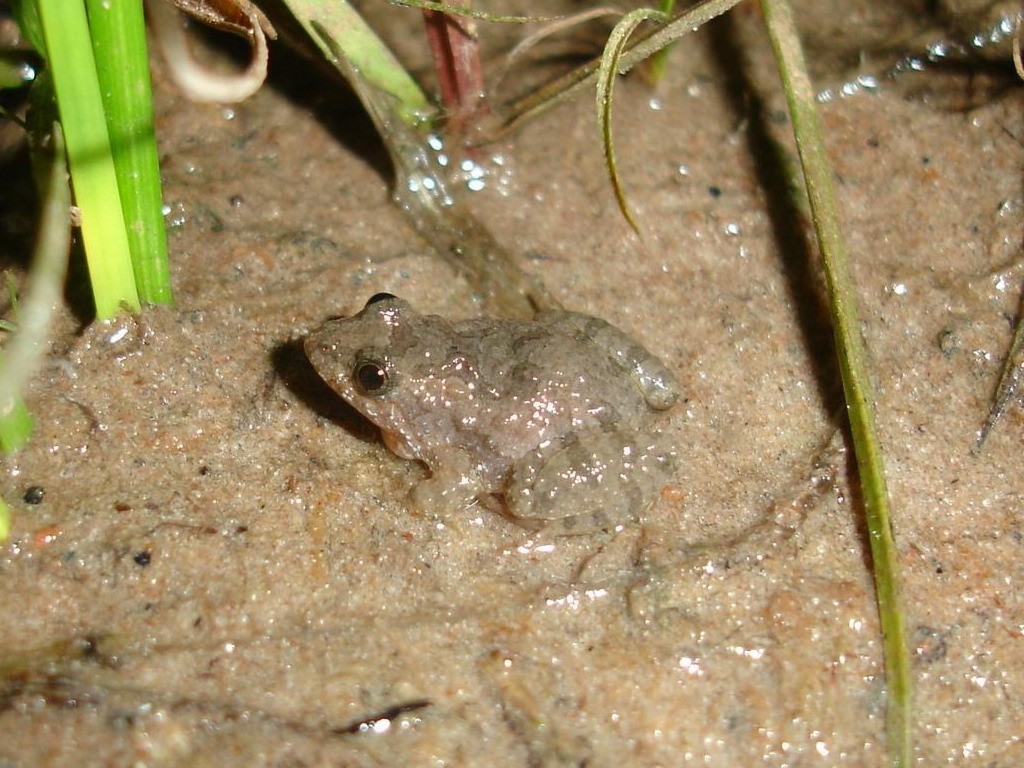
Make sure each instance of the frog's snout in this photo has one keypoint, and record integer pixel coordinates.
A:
(319, 349)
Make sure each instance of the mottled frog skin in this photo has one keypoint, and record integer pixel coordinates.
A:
(548, 420)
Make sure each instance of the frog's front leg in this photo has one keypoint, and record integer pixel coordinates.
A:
(453, 485)
(600, 479)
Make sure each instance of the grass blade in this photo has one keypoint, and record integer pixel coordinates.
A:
(465, 11)
(359, 46)
(42, 293)
(420, 187)
(73, 68)
(5, 521)
(852, 364)
(1011, 382)
(552, 94)
(659, 61)
(119, 45)
(606, 74)
(16, 426)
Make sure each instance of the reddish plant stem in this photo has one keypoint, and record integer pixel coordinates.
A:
(456, 52)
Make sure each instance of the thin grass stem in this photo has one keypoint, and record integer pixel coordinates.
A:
(853, 367)
(606, 75)
(550, 95)
(122, 66)
(42, 293)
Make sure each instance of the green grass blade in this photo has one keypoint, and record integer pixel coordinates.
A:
(71, 63)
(26, 14)
(659, 61)
(420, 187)
(359, 46)
(5, 521)
(566, 87)
(45, 279)
(606, 74)
(15, 426)
(853, 367)
(119, 45)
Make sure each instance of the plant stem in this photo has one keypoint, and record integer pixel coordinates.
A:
(41, 294)
(5, 521)
(420, 188)
(563, 88)
(15, 427)
(71, 63)
(659, 61)
(852, 356)
(355, 42)
(119, 44)
(605, 85)
(456, 53)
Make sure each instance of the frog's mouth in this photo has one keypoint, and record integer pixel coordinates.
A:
(397, 444)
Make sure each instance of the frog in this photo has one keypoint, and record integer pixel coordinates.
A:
(550, 421)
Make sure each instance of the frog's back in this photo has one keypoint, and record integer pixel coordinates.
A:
(548, 362)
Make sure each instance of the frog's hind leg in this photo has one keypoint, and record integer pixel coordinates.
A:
(651, 376)
(598, 481)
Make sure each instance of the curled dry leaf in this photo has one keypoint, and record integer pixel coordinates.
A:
(238, 17)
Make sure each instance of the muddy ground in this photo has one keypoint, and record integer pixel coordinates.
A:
(224, 568)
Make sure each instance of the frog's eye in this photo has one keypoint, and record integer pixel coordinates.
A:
(378, 297)
(371, 377)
